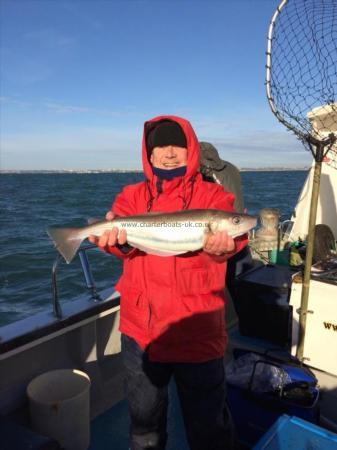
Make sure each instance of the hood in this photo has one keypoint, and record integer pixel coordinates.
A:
(210, 158)
(193, 150)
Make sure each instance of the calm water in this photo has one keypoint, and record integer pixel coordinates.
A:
(30, 203)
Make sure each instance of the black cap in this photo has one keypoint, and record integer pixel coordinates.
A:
(165, 133)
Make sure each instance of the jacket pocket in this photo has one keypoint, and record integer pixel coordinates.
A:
(134, 310)
(201, 324)
(194, 282)
(202, 309)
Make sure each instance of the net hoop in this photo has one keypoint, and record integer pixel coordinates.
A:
(269, 67)
(309, 136)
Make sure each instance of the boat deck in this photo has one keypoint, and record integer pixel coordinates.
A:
(110, 430)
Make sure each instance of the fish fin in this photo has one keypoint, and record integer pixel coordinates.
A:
(151, 251)
(66, 240)
(165, 253)
(238, 234)
(92, 220)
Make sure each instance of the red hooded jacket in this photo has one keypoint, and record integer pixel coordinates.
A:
(174, 306)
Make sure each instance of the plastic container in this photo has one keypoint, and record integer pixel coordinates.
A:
(280, 257)
(292, 433)
(59, 403)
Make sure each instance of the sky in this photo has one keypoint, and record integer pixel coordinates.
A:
(80, 77)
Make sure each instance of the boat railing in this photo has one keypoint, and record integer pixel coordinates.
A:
(89, 279)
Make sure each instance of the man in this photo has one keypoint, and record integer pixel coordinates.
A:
(215, 169)
(172, 308)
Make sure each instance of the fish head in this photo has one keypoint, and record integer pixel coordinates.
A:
(234, 223)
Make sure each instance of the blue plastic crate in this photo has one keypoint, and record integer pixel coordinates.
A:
(292, 433)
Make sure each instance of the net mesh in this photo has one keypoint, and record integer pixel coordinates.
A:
(302, 67)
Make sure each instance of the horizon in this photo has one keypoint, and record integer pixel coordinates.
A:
(125, 170)
(79, 79)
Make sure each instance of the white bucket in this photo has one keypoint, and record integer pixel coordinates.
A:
(59, 407)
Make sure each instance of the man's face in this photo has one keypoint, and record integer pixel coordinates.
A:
(169, 157)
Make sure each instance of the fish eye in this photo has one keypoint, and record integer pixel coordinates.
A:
(236, 220)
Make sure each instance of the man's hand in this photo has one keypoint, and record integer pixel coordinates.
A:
(109, 238)
(218, 243)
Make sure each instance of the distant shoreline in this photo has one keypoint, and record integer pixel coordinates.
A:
(88, 171)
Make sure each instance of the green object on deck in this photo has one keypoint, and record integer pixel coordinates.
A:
(280, 257)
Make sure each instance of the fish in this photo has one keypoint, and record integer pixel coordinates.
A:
(162, 234)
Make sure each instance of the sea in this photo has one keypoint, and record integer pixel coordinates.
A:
(30, 203)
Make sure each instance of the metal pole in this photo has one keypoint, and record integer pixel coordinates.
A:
(309, 251)
(89, 279)
(56, 303)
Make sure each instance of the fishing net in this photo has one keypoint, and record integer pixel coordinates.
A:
(301, 77)
(301, 86)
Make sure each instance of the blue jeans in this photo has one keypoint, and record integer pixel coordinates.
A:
(201, 390)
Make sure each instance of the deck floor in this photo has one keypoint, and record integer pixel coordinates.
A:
(111, 429)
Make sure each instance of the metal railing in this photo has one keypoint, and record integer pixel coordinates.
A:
(89, 279)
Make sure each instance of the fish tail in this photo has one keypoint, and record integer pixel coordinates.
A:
(66, 240)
